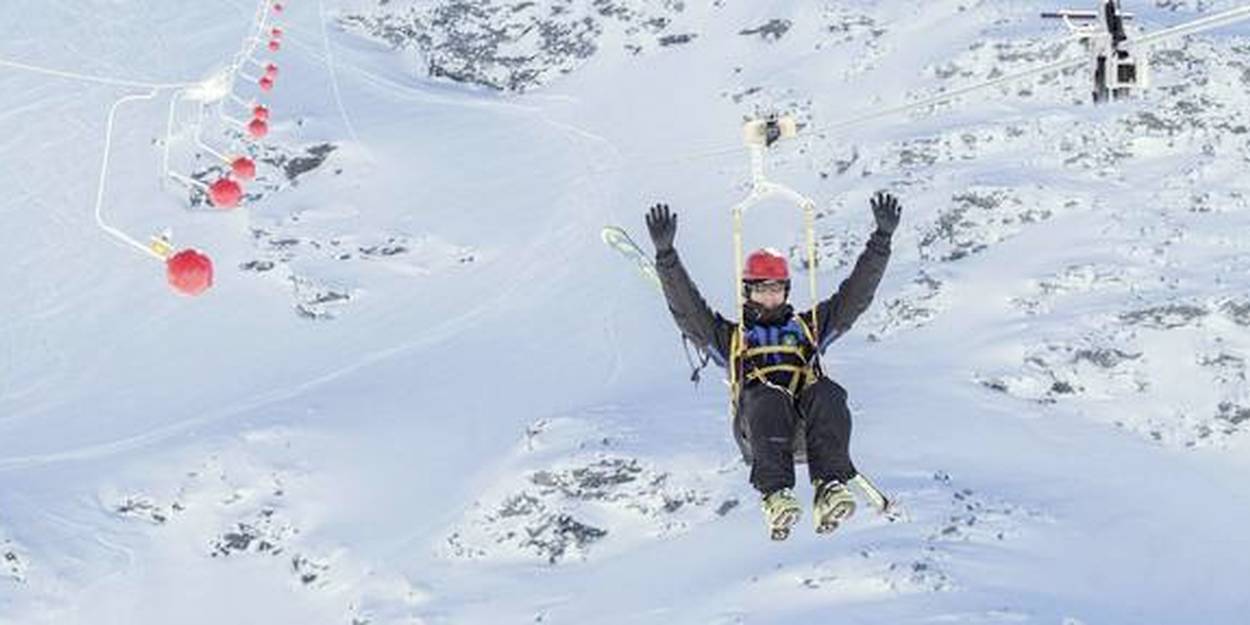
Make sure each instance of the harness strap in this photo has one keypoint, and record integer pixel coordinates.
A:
(797, 373)
(814, 362)
(807, 330)
(763, 372)
(807, 372)
(773, 349)
(705, 357)
(735, 363)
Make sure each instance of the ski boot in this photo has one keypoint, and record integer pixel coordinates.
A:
(781, 511)
(833, 504)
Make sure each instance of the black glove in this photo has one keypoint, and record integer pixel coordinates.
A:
(662, 224)
(886, 209)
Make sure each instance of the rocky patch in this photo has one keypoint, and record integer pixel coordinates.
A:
(294, 253)
(582, 495)
(277, 168)
(238, 494)
(12, 564)
(1100, 365)
(265, 533)
(917, 554)
(856, 33)
(1172, 371)
(920, 302)
(984, 216)
(1073, 280)
(516, 45)
(562, 512)
(771, 30)
(236, 504)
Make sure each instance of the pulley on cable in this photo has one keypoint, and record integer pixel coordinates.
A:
(1118, 68)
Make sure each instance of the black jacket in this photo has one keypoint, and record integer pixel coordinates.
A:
(834, 315)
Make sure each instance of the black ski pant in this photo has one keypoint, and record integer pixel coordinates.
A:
(772, 418)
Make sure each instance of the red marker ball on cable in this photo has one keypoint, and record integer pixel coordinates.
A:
(189, 272)
(243, 168)
(258, 128)
(225, 193)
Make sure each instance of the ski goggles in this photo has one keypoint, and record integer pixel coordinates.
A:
(768, 286)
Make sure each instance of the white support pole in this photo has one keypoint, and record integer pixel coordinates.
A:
(169, 133)
(188, 181)
(218, 155)
(104, 168)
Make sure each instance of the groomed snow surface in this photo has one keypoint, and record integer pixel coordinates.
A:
(422, 390)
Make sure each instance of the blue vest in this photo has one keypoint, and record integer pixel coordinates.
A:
(781, 355)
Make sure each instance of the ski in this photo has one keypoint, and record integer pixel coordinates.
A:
(619, 240)
(879, 500)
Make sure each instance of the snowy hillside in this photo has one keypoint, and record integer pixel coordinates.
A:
(422, 390)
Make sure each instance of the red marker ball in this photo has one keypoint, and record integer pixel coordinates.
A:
(243, 168)
(189, 272)
(258, 128)
(225, 193)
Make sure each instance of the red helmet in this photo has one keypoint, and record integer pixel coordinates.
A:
(766, 264)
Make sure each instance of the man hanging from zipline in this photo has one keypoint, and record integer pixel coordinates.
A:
(785, 407)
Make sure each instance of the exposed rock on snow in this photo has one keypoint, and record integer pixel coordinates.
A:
(291, 165)
(772, 30)
(236, 493)
(563, 511)
(236, 504)
(581, 496)
(515, 45)
(983, 216)
(12, 564)
(917, 555)
(1129, 372)
(920, 302)
(265, 533)
(1075, 279)
(299, 248)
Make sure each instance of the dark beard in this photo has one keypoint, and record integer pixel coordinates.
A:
(756, 314)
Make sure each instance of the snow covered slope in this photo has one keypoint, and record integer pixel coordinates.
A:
(423, 391)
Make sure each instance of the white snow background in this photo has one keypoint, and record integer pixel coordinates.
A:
(422, 390)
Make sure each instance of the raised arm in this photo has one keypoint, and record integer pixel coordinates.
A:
(694, 317)
(837, 314)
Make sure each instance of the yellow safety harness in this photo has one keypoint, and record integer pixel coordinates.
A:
(741, 353)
